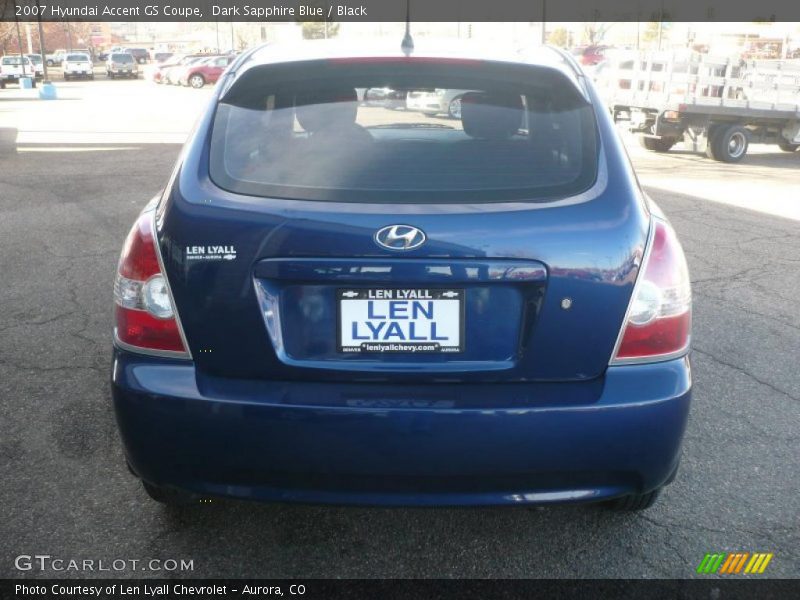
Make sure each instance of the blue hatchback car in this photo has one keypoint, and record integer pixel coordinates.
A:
(340, 302)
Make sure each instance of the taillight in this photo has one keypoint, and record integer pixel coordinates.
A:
(145, 316)
(659, 320)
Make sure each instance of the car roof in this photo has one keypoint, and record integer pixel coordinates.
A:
(308, 50)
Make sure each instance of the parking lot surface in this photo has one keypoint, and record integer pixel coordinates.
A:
(74, 173)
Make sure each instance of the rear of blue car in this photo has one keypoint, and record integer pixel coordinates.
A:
(341, 303)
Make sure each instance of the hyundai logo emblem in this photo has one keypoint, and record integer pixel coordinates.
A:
(399, 237)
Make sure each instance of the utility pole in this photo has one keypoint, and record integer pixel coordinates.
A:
(28, 36)
(41, 44)
(19, 40)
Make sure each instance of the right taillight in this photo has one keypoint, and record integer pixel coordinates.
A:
(145, 316)
(658, 324)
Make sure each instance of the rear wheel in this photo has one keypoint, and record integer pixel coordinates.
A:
(170, 496)
(788, 146)
(634, 502)
(454, 108)
(656, 144)
(197, 81)
(728, 143)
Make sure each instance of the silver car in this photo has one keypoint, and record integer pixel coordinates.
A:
(436, 102)
(121, 64)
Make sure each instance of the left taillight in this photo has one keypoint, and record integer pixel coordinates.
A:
(146, 319)
(659, 320)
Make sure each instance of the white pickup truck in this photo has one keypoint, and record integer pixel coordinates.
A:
(77, 64)
(13, 67)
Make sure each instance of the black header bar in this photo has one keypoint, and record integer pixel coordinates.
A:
(395, 10)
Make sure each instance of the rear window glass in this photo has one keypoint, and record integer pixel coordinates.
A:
(404, 131)
(122, 58)
(77, 58)
(14, 60)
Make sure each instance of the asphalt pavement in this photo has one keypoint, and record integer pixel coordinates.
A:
(73, 175)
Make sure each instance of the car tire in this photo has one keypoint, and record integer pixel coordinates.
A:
(197, 81)
(110, 75)
(634, 502)
(430, 114)
(50, 63)
(788, 146)
(454, 108)
(170, 496)
(728, 143)
(91, 77)
(656, 144)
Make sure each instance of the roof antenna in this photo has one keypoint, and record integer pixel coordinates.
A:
(407, 45)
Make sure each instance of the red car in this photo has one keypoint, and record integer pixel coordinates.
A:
(157, 74)
(590, 55)
(206, 71)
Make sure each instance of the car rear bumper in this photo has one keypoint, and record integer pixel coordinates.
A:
(441, 444)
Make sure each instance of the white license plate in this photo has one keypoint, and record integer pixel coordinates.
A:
(377, 320)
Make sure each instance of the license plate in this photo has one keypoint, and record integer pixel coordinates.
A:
(378, 320)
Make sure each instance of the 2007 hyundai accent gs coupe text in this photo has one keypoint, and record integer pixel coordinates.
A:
(333, 302)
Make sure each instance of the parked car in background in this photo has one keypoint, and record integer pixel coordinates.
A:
(140, 54)
(385, 97)
(590, 55)
(171, 75)
(13, 67)
(331, 304)
(159, 70)
(160, 57)
(77, 65)
(121, 64)
(435, 102)
(38, 64)
(204, 72)
(56, 58)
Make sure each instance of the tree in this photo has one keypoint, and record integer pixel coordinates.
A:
(651, 32)
(593, 33)
(318, 30)
(558, 37)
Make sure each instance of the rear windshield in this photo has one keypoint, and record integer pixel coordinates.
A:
(404, 131)
(122, 58)
(14, 60)
(77, 58)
